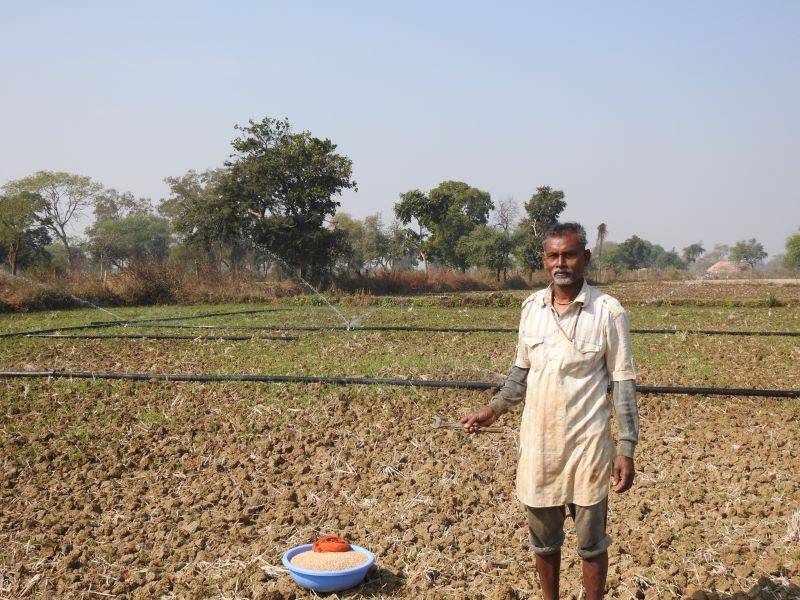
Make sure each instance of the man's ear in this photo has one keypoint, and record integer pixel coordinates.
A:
(588, 255)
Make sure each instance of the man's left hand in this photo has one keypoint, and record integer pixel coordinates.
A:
(623, 473)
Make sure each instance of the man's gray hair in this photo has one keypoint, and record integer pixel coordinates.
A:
(560, 229)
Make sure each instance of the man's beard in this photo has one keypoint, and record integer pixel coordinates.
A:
(563, 279)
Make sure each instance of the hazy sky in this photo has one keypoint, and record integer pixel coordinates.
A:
(675, 121)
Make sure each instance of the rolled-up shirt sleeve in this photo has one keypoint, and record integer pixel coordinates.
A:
(619, 355)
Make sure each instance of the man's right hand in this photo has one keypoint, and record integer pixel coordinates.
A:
(483, 417)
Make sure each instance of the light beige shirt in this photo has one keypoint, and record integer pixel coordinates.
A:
(566, 450)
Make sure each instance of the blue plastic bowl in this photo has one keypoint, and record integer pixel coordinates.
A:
(327, 581)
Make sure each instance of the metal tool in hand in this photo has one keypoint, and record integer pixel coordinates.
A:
(439, 423)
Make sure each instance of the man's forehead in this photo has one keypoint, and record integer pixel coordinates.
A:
(568, 241)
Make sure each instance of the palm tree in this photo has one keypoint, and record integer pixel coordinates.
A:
(602, 230)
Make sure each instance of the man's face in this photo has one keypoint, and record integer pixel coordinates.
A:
(564, 258)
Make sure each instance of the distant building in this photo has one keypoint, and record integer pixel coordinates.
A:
(726, 268)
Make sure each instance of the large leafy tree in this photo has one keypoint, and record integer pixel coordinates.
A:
(353, 257)
(111, 204)
(401, 249)
(692, 252)
(415, 206)
(207, 223)
(636, 253)
(131, 237)
(66, 196)
(488, 247)
(792, 258)
(282, 186)
(22, 230)
(366, 243)
(750, 252)
(447, 213)
(541, 211)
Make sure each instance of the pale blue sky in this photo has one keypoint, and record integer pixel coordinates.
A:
(678, 122)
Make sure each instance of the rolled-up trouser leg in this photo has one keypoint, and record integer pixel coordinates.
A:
(546, 528)
(590, 528)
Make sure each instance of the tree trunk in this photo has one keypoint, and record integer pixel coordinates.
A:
(63, 237)
(12, 260)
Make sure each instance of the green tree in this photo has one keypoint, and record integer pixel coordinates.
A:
(65, 197)
(207, 223)
(750, 252)
(415, 205)
(132, 237)
(444, 215)
(636, 253)
(22, 231)
(352, 259)
(375, 244)
(542, 211)
(667, 259)
(282, 185)
(488, 247)
(692, 252)
(792, 258)
(400, 249)
(111, 204)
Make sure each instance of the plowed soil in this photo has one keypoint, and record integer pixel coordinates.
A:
(151, 490)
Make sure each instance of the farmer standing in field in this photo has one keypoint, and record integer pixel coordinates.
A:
(572, 340)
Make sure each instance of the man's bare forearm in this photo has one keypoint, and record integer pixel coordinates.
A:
(624, 395)
(512, 392)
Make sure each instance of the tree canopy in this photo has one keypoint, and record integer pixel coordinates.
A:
(444, 215)
(692, 252)
(542, 211)
(65, 195)
(282, 185)
(792, 258)
(750, 252)
(23, 232)
(637, 253)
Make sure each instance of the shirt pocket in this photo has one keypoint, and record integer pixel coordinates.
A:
(583, 357)
(536, 348)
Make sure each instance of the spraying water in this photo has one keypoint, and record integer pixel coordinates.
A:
(66, 293)
(362, 316)
(314, 290)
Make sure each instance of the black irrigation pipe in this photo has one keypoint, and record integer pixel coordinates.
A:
(343, 328)
(720, 332)
(101, 324)
(471, 385)
(53, 330)
(187, 317)
(456, 329)
(158, 336)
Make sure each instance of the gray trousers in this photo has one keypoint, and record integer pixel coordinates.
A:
(546, 528)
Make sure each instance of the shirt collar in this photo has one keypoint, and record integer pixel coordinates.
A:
(582, 298)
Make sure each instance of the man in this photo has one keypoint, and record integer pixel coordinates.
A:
(572, 340)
